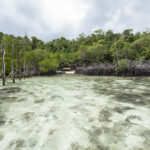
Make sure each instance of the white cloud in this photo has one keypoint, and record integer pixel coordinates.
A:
(49, 19)
(60, 13)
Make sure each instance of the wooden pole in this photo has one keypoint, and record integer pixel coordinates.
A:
(24, 68)
(117, 54)
(19, 66)
(24, 64)
(30, 74)
(3, 64)
(12, 64)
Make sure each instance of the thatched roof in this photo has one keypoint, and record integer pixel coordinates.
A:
(66, 65)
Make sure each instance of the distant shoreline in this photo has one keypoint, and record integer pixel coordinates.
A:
(105, 69)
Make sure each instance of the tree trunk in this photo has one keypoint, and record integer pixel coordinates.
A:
(30, 74)
(24, 68)
(27, 71)
(19, 66)
(12, 67)
(3, 64)
(117, 54)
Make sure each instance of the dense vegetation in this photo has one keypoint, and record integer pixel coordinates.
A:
(100, 46)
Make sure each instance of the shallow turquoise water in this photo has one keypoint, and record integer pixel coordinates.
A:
(72, 112)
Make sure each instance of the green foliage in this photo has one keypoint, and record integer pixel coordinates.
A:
(48, 65)
(35, 42)
(128, 35)
(98, 47)
(141, 47)
(122, 65)
(94, 53)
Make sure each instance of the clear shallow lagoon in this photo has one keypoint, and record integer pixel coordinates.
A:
(75, 113)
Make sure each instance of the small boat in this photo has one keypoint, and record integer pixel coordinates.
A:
(70, 72)
(60, 72)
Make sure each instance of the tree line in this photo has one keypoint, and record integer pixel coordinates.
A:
(23, 57)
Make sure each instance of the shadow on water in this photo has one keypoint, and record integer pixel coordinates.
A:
(105, 112)
(10, 90)
(2, 118)
(135, 99)
(1, 136)
(122, 109)
(39, 101)
(28, 116)
(125, 91)
(7, 94)
(16, 144)
(108, 138)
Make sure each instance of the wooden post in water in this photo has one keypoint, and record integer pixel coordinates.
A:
(3, 64)
(12, 64)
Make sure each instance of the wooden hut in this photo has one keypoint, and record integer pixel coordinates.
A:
(66, 67)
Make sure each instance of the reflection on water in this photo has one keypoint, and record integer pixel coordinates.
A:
(75, 113)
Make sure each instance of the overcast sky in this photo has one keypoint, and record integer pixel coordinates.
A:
(48, 19)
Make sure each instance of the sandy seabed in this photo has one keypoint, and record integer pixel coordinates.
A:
(72, 112)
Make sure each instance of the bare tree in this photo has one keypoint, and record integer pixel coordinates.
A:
(27, 71)
(24, 62)
(18, 62)
(30, 73)
(3, 64)
(12, 64)
(24, 68)
(117, 54)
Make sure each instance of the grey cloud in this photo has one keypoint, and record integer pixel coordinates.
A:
(27, 16)
(103, 12)
(28, 8)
